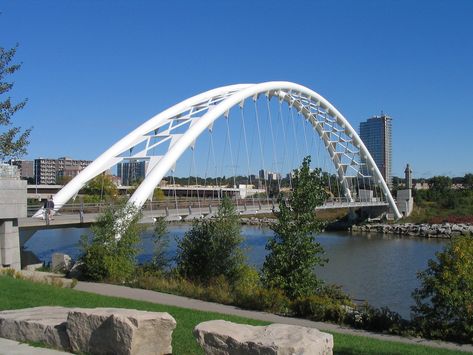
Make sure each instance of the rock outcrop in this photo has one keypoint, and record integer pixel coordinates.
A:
(226, 338)
(93, 331)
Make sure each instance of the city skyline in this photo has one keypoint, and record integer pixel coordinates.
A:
(90, 85)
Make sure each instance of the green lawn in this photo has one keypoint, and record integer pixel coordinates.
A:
(22, 294)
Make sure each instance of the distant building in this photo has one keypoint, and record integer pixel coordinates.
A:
(376, 134)
(131, 171)
(263, 174)
(47, 171)
(25, 167)
(408, 177)
(269, 175)
(421, 185)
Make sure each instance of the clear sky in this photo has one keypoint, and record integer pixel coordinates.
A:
(93, 70)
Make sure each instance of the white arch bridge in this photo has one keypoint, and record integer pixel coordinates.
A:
(276, 124)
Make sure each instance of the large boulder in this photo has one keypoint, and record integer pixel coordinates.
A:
(41, 324)
(61, 262)
(92, 331)
(226, 338)
(120, 331)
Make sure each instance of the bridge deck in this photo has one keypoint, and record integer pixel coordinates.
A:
(73, 219)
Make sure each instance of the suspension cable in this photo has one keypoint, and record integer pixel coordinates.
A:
(278, 178)
(231, 157)
(261, 150)
(242, 114)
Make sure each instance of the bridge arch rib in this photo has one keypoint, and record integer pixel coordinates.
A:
(206, 108)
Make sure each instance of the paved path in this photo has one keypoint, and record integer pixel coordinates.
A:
(11, 347)
(184, 302)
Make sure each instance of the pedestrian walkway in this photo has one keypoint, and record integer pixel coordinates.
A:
(11, 347)
(184, 302)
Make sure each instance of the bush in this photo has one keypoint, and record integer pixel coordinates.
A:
(247, 282)
(212, 247)
(110, 255)
(444, 302)
(377, 319)
(319, 308)
(272, 300)
(328, 303)
(161, 261)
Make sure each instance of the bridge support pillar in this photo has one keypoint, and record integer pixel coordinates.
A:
(10, 244)
(12, 207)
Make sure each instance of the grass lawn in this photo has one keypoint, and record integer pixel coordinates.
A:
(22, 294)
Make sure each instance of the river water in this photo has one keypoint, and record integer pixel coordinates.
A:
(373, 267)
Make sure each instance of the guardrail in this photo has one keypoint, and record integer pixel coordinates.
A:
(182, 204)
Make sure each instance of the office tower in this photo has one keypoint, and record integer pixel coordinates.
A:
(376, 135)
(131, 171)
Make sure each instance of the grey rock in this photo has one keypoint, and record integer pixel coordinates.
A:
(226, 338)
(40, 324)
(61, 262)
(120, 331)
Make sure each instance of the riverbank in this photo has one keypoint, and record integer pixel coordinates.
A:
(444, 230)
(188, 313)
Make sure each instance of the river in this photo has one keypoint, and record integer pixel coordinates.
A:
(378, 268)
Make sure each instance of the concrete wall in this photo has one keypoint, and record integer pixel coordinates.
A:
(12, 198)
(12, 207)
(9, 245)
(405, 202)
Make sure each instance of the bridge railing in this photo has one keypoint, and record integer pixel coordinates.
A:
(172, 204)
(186, 205)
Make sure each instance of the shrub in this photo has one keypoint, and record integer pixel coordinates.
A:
(110, 255)
(161, 261)
(444, 302)
(319, 308)
(212, 247)
(377, 319)
(272, 300)
(247, 281)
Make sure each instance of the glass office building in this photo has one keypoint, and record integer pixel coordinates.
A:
(131, 171)
(376, 135)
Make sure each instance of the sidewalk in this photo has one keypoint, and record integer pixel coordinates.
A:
(184, 302)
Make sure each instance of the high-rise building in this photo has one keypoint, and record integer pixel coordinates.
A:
(131, 171)
(47, 171)
(377, 137)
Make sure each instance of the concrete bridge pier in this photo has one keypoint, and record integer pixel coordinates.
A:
(12, 207)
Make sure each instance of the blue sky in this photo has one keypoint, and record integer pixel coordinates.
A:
(94, 70)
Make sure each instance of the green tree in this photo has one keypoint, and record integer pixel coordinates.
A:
(158, 195)
(161, 260)
(101, 186)
(212, 247)
(441, 183)
(444, 302)
(293, 251)
(13, 142)
(468, 181)
(106, 257)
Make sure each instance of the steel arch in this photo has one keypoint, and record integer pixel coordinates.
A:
(203, 109)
